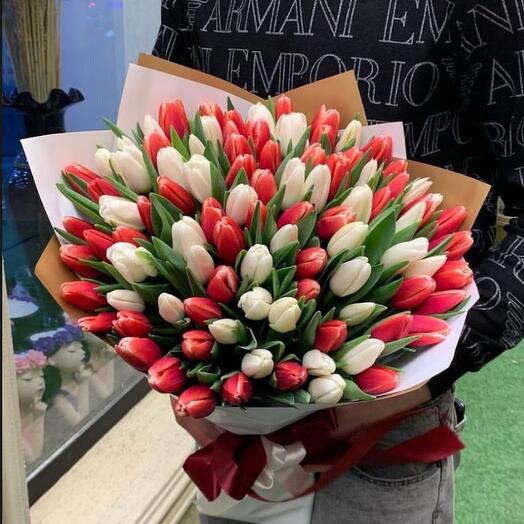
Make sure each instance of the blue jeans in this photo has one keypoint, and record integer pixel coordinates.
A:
(396, 494)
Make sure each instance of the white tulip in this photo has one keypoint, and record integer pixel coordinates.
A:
(425, 267)
(170, 308)
(197, 172)
(118, 211)
(256, 264)
(416, 189)
(151, 125)
(293, 178)
(132, 267)
(186, 233)
(283, 237)
(319, 179)
(125, 300)
(318, 364)
(123, 142)
(240, 199)
(350, 276)
(259, 111)
(255, 303)
(171, 165)
(369, 169)
(289, 129)
(102, 165)
(196, 147)
(411, 251)
(351, 132)
(362, 356)
(354, 314)
(212, 130)
(284, 314)
(257, 363)
(412, 216)
(327, 390)
(132, 169)
(360, 200)
(349, 236)
(200, 262)
(227, 330)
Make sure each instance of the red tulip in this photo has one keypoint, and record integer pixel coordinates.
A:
(197, 401)
(381, 198)
(98, 324)
(310, 262)
(264, 183)
(83, 294)
(323, 129)
(99, 242)
(398, 184)
(247, 162)
(270, 157)
(380, 148)
(332, 220)
(258, 131)
(251, 212)
(295, 213)
(308, 288)
(166, 375)
(325, 121)
(197, 344)
(144, 210)
(339, 166)
(128, 234)
(229, 129)
(76, 226)
(283, 106)
(235, 145)
(395, 167)
(431, 203)
(211, 213)
(213, 109)
(237, 390)
(454, 274)
(176, 194)
(412, 292)
(377, 379)
(430, 330)
(392, 328)
(172, 114)
(141, 353)
(353, 154)
(81, 172)
(132, 324)
(153, 143)
(228, 239)
(289, 375)
(234, 116)
(71, 256)
(200, 309)
(98, 187)
(223, 284)
(441, 302)
(450, 220)
(330, 335)
(315, 155)
(460, 243)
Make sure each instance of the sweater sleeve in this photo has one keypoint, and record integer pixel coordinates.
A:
(490, 64)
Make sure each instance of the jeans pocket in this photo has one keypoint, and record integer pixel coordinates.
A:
(397, 474)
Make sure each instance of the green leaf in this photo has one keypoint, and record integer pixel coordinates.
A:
(331, 266)
(218, 186)
(457, 310)
(208, 374)
(337, 201)
(313, 242)
(357, 169)
(122, 189)
(241, 178)
(392, 271)
(344, 186)
(308, 334)
(382, 294)
(275, 203)
(241, 254)
(197, 289)
(69, 237)
(428, 230)
(286, 281)
(380, 236)
(87, 207)
(197, 129)
(113, 127)
(286, 255)
(275, 282)
(222, 157)
(302, 396)
(397, 345)
(151, 171)
(277, 348)
(284, 398)
(256, 225)
(440, 248)
(82, 184)
(306, 226)
(173, 211)
(230, 106)
(166, 253)
(348, 145)
(270, 228)
(325, 144)
(405, 234)
(106, 288)
(162, 223)
(151, 292)
(353, 392)
(111, 270)
(281, 167)
(271, 106)
(301, 144)
(177, 143)
(209, 153)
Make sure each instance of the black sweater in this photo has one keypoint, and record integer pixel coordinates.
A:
(451, 70)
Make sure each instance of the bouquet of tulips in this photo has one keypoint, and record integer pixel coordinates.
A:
(261, 260)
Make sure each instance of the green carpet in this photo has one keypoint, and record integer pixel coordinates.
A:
(490, 479)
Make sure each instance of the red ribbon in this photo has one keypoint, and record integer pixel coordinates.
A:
(233, 462)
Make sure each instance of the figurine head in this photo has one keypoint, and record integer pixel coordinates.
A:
(30, 375)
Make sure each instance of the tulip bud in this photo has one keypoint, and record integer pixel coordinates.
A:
(141, 353)
(319, 179)
(293, 178)
(256, 264)
(256, 303)
(283, 237)
(327, 390)
(289, 129)
(81, 172)
(430, 330)
(196, 146)
(229, 128)
(315, 155)
(259, 133)
(238, 202)
(289, 375)
(270, 156)
(197, 172)
(98, 187)
(333, 219)
(72, 255)
(212, 130)
(432, 202)
(325, 121)
(411, 251)
(283, 106)
(235, 145)
(127, 260)
(129, 164)
(369, 169)
(245, 162)
(263, 182)
(212, 109)
(258, 363)
(284, 314)
(172, 114)
(318, 364)
(132, 324)
(460, 243)
(310, 262)
(377, 379)
(155, 141)
(197, 401)
(125, 300)
(381, 198)
(82, 294)
(413, 216)
(454, 274)
(128, 234)
(330, 335)
(200, 262)
(200, 309)
(308, 288)
(211, 213)
(223, 284)
(412, 292)
(379, 147)
(398, 184)
(418, 187)
(259, 111)
(176, 194)
(360, 201)
(170, 308)
(350, 276)
(99, 324)
(395, 167)
(228, 239)
(118, 211)
(450, 220)
(143, 205)
(236, 390)
(441, 302)
(76, 226)
(339, 166)
(197, 344)
(427, 266)
(227, 331)
(171, 165)
(99, 243)
(166, 375)
(355, 314)
(102, 162)
(350, 236)
(392, 328)
(351, 132)
(186, 233)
